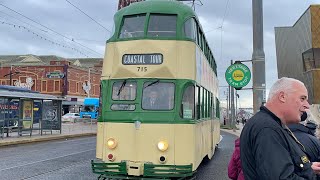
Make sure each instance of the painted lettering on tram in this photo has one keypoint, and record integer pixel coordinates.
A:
(138, 59)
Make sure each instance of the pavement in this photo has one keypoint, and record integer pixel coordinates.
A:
(72, 130)
(68, 130)
(236, 132)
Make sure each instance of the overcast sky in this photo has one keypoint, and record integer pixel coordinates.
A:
(58, 28)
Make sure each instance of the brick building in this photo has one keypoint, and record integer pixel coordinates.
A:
(62, 77)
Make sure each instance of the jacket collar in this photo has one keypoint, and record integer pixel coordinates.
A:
(266, 110)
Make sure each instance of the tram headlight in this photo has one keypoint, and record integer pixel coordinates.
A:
(111, 143)
(163, 145)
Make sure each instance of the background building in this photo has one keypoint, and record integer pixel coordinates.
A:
(298, 53)
(71, 79)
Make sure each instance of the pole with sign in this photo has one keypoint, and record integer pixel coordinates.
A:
(238, 75)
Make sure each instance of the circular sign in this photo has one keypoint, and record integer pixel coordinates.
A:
(238, 75)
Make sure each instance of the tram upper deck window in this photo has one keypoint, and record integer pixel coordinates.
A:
(124, 90)
(190, 29)
(162, 25)
(133, 26)
(158, 95)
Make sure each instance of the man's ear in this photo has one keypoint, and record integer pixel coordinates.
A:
(282, 97)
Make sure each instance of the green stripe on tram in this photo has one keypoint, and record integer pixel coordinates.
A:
(139, 114)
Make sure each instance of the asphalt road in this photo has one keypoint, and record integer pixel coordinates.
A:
(217, 167)
(54, 160)
(70, 160)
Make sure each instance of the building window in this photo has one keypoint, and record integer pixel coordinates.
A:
(44, 86)
(56, 85)
(308, 60)
(316, 52)
(311, 59)
(77, 87)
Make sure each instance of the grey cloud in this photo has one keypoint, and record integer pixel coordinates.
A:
(65, 19)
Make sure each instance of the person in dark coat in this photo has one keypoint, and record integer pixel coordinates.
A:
(305, 135)
(268, 149)
(234, 168)
(153, 101)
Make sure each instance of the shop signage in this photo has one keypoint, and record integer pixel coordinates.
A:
(28, 84)
(55, 75)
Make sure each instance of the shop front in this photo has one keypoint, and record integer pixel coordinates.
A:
(24, 111)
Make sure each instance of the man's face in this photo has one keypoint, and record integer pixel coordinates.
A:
(153, 95)
(296, 103)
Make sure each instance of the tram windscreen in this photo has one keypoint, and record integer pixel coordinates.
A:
(88, 109)
(158, 96)
(123, 90)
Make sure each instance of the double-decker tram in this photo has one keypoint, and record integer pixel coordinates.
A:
(159, 107)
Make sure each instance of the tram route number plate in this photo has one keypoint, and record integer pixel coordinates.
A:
(142, 59)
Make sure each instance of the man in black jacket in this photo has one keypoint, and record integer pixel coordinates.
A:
(269, 150)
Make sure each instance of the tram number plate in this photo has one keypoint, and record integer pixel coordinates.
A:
(142, 69)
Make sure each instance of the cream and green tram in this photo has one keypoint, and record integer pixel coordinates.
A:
(159, 89)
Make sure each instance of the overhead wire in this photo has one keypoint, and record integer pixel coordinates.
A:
(221, 28)
(14, 22)
(42, 37)
(22, 21)
(89, 16)
(70, 39)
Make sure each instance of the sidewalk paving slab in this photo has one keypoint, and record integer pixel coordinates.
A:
(68, 131)
(234, 132)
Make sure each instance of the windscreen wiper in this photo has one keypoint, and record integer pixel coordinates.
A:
(122, 86)
(154, 82)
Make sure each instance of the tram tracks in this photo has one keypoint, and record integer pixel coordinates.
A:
(55, 170)
(46, 166)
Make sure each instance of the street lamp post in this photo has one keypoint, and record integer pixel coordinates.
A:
(258, 56)
(10, 74)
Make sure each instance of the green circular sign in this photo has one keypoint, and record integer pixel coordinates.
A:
(238, 75)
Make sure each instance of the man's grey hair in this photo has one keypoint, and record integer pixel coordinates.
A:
(284, 84)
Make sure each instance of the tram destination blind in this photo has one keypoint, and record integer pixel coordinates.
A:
(139, 59)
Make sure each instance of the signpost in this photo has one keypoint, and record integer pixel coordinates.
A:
(238, 75)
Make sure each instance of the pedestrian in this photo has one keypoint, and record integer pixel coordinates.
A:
(234, 167)
(243, 121)
(268, 149)
(304, 132)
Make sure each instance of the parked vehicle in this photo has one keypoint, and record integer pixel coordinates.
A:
(70, 117)
(90, 108)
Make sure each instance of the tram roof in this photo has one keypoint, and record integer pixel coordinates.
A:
(157, 6)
